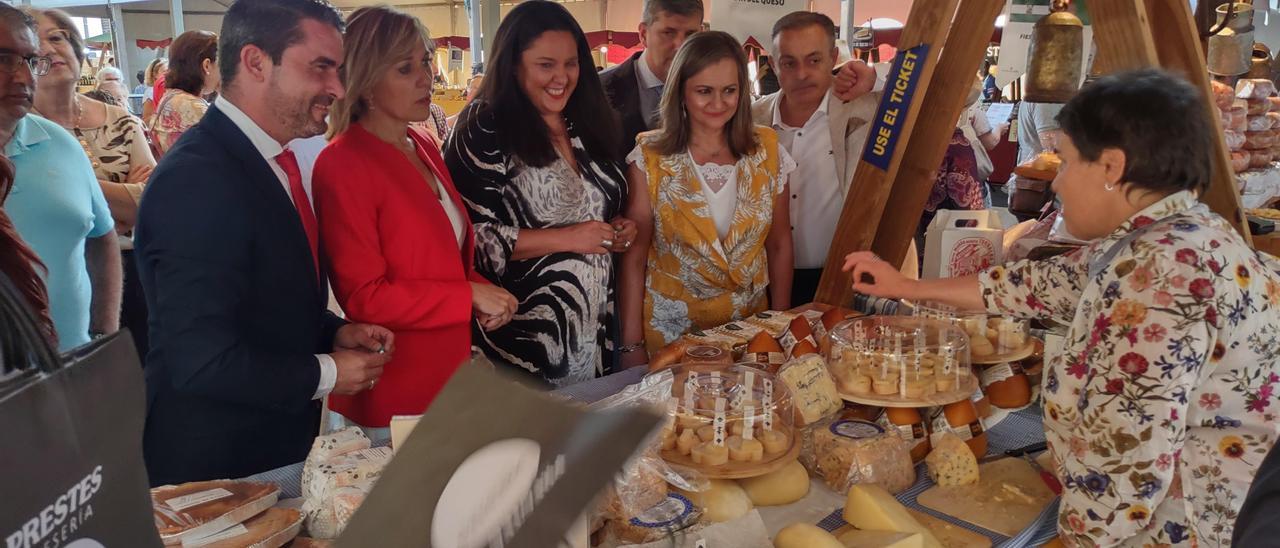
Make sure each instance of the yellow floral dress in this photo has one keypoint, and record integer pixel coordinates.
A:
(695, 279)
(1163, 402)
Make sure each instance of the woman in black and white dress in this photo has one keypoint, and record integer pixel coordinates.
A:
(534, 157)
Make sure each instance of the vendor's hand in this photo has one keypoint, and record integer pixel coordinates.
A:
(853, 80)
(624, 231)
(358, 370)
(872, 276)
(363, 336)
(1002, 129)
(139, 174)
(589, 238)
(493, 305)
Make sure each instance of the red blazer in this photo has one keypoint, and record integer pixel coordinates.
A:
(395, 263)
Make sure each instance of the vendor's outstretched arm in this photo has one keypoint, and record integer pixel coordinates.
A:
(872, 276)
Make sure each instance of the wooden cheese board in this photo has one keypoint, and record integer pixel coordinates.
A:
(1012, 356)
(734, 469)
(965, 389)
(1007, 498)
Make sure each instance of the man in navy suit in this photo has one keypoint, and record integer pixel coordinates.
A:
(243, 350)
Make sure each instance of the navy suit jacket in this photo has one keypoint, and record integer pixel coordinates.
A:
(622, 86)
(236, 312)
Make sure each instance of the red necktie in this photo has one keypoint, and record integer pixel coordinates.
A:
(289, 163)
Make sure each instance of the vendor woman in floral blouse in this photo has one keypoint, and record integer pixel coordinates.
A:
(1163, 402)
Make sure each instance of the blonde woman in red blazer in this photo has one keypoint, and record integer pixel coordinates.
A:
(396, 234)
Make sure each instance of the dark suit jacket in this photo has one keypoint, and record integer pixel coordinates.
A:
(237, 313)
(622, 85)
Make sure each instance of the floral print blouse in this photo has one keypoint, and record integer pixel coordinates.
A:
(175, 114)
(1163, 402)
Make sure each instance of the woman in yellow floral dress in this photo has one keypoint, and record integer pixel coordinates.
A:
(708, 195)
(1163, 402)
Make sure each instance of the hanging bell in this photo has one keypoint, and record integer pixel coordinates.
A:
(1260, 66)
(1056, 56)
(1231, 50)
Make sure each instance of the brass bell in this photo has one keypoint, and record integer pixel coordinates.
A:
(1056, 56)
(1260, 67)
(1231, 50)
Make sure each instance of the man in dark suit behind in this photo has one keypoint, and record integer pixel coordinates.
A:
(635, 86)
(243, 349)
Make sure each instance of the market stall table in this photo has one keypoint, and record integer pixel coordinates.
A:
(1013, 430)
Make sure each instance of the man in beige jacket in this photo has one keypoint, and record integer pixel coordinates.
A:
(823, 134)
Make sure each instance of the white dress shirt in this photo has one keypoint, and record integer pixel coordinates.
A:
(269, 148)
(816, 196)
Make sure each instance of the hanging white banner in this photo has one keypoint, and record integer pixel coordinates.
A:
(752, 19)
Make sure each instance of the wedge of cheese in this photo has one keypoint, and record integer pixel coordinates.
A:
(951, 463)
(859, 538)
(870, 507)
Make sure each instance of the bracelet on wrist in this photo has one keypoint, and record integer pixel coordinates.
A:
(629, 348)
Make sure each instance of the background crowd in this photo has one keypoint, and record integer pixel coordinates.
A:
(566, 223)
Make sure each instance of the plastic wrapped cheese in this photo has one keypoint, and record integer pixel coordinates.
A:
(1259, 123)
(1259, 140)
(1234, 139)
(1223, 94)
(1259, 159)
(850, 452)
(813, 389)
(326, 518)
(345, 470)
(1239, 161)
(1258, 107)
(1255, 88)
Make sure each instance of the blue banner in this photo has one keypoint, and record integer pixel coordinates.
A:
(891, 117)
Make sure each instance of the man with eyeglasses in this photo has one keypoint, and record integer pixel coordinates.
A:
(56, 203)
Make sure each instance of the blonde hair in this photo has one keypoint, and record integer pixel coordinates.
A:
(375, 39)
(153, 70)
(699, 52)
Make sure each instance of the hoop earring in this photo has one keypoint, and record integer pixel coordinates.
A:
(1109, 187)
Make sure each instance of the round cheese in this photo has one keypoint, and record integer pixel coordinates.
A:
(805, 535)
(724, 500)
(710, 454)
(783, 486)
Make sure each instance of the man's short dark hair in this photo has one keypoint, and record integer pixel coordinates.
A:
(272, 25)
(797, 20)
(16, 19)
(1157, 119)
(687, 8)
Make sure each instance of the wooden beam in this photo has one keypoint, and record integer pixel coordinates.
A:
(927, 24)
(1121, 29)
(943, 104)
(1178, 46)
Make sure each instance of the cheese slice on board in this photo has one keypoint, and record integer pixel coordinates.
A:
(871, 507)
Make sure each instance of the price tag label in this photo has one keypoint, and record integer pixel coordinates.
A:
(768, 404)
(718, 425)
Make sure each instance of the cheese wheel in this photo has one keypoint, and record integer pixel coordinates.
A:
(762, 342)
(709, 454)
(855, 383)
(963, 418)
(782, 486)
(687, 440)
(723, 500)
(885, 385)
(744, 450)
(920, 388)
(805, 535)
(706, 433)
(981, 346)
(1006, 386)
(945, 383)
(911, 427)
(774, 441)
(803, 348)
(668, 355)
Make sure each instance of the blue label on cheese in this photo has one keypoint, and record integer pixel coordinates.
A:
(672, 513)
(891, 117)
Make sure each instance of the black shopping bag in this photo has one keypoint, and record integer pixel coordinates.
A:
(71, 463)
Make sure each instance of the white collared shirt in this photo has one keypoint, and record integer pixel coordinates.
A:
(817, 197)
(650, 90)
(269, 148)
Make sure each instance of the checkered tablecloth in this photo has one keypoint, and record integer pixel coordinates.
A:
(1019, 429)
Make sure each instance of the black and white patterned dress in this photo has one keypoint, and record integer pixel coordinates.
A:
(560, 329)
